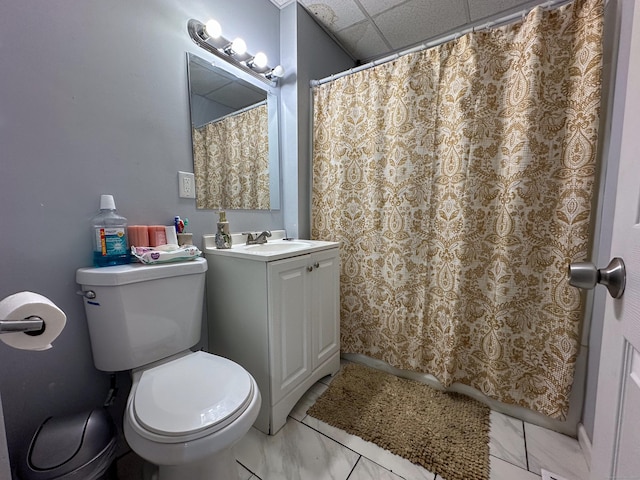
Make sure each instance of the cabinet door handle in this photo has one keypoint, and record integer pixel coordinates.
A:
(309, 268)
(316, 265)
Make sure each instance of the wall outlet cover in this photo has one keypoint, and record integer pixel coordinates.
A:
(186, 185)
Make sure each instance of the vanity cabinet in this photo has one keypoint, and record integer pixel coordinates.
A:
(279, 319)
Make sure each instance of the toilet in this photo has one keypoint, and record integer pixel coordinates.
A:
(186, 409)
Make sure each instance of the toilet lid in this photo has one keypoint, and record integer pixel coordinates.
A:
(195, 392)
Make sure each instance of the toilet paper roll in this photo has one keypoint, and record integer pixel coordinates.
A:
(23, 305)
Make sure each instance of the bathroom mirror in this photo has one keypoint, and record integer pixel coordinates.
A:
(234, 133)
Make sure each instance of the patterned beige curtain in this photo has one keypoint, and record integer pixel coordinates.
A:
(460, 182)
(231, 161)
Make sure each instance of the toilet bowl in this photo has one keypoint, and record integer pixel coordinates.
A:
(186, 409)
(177, 414)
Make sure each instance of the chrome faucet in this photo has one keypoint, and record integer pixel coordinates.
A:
(259, 239)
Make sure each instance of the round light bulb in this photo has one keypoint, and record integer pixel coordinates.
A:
(213, 28)
(260, 60)
(239, 46)
(278, 71)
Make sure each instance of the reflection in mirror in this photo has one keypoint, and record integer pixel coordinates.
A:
(234, 129)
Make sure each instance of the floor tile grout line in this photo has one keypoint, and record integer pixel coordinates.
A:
(526, 450)
(354, 451)
(354, 466)
(510, 463)
(329, 437)
(340, 443)
(247, 469)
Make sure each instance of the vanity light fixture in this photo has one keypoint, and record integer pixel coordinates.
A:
(275, 73)
(237, 48)
(259, 62)
(209, 36)
(213, 29)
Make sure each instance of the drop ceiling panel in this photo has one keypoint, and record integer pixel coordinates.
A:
(480, 9)
(374, 7)
(235, 96)
(203, 81)
(362, 40)
(370, 29)
(414, 21)
(335, 14)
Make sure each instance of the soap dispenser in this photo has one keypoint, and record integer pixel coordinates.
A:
(223, 237)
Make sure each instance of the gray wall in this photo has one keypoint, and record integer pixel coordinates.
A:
(93, 99)
(318, 57)
(289, 118)
(308, 54)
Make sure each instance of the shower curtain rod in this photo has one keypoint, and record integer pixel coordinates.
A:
(232, 114)
(440, 40)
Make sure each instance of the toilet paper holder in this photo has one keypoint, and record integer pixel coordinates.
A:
(33, 325)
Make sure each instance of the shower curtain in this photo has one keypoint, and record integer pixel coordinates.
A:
(231, 161)
(460, 181)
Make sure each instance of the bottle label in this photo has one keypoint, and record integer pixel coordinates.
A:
(111, 241)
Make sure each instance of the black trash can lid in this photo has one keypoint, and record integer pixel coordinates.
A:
(64, 444)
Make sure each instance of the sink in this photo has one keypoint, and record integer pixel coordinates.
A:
(275, 249)
(282, 246)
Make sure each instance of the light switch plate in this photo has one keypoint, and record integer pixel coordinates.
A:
(186, 185)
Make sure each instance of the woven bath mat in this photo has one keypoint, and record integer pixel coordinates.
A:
(446, 433)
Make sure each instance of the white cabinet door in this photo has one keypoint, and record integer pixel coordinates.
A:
(304, 311)
(325, 305)
(289, 324)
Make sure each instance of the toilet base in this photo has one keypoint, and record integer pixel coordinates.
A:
(220, 466)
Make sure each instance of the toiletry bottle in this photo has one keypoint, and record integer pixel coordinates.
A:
(178, 223)
(109, 235)
(223, 237)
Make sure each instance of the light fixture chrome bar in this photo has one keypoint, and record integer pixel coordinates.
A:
(31, 324)
(198, 35)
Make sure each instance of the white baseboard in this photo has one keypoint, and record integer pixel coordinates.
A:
(585, 444)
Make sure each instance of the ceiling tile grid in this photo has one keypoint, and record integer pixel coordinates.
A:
(335, 15)
(370, 29)
(410, 22)
(481, 9)
(362, 40)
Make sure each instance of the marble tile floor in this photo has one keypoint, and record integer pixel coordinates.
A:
(307, 449)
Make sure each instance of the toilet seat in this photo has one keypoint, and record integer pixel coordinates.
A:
(190, 397)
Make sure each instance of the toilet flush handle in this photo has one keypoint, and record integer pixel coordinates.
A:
(89, 294)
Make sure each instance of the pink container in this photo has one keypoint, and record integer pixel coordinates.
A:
(138, 235)
(157, 235)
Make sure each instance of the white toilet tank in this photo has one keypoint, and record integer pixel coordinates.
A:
(142, 313)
